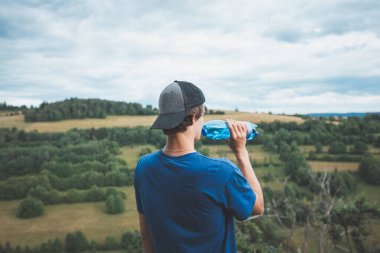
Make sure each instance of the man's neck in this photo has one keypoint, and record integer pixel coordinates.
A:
(179, 144)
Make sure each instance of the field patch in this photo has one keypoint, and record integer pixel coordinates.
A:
(330, 166)
(256, 153)
(131, 154)
(58, 220)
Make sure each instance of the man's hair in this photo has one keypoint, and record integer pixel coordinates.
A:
(187, 121)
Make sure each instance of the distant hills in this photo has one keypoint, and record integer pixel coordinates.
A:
(340, 115)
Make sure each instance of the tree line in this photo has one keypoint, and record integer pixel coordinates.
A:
(77, 241)
(75, 108)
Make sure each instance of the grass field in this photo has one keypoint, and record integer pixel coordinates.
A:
(330, 166)
(90, 218)
(128, 121)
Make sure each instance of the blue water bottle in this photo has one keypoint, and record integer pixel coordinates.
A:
(218, 130)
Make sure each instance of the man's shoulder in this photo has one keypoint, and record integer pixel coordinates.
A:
(147, 158)
(223, 164)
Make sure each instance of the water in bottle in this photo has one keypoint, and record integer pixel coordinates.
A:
(218, 130)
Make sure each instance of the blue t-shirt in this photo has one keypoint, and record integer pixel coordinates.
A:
(189, 202)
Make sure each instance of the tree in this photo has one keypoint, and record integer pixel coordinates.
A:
(76, 242)
(111, 243)
(352, 217)
(359, 148)
(337, 148)
(115, 204)
(318, 148)
(131, 242)
(369, 170)
(30, 207)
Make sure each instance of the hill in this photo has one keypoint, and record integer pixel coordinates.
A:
(129, 121)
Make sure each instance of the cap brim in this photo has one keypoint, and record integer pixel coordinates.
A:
(168, 120)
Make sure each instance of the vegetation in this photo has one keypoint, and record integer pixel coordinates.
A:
(75, 108)
(306, 210)
(30, 207)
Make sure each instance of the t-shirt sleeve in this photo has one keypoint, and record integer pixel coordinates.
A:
(137, 192)
(239, 196)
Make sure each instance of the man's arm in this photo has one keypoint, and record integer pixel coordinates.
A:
(237, 144)
(145, 235)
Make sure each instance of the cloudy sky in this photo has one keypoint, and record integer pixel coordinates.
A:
(291, 56)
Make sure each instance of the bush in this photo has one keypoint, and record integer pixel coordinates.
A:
(359, 148)
(342, 183)
(76, 242)
(30, 207)
(369, 170)
(46, 196)
(111, 243)
(73, 196)
(337, 148)
(131, 242)
(94, 194)
(115, 204)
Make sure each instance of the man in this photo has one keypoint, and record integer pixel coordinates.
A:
(186, 201)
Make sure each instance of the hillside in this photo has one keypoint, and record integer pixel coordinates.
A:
(75, 172)
(128, 121)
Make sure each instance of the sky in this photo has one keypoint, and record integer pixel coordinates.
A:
(290, 56)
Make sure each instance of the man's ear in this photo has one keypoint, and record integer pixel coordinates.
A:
(193, 119)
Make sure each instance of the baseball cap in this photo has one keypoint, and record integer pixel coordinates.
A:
(175, 101)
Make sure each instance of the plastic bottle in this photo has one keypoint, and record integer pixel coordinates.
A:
(218, 130)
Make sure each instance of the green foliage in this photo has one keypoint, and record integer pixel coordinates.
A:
(131, 242)
(359, 148)
(318, 148)
(46, 196)
(336, 158)
(145, 151)
(297, 168)
(30, 207)
(95, 194)
(75, 108)
(352, 218)
(73, 196)
(342, 183)
(264, 235)
(51, 246)
(111, 243)
(369, 170)
(115, 204)
(337, 148)
(76, 242)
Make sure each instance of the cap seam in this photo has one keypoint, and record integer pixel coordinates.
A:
(183, 98)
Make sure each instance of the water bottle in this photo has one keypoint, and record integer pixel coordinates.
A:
(218, 130)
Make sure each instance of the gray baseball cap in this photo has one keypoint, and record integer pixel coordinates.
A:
(174, 103)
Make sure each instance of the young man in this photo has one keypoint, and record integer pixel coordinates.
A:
(186, 201)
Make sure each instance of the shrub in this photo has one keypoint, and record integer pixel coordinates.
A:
(115, 204)
(76, 242)
(30, 207)
(369, 170)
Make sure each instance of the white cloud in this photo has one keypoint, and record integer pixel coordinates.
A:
(245, 54)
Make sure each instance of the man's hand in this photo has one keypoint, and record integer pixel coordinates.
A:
(237, 144)
(238, 135)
